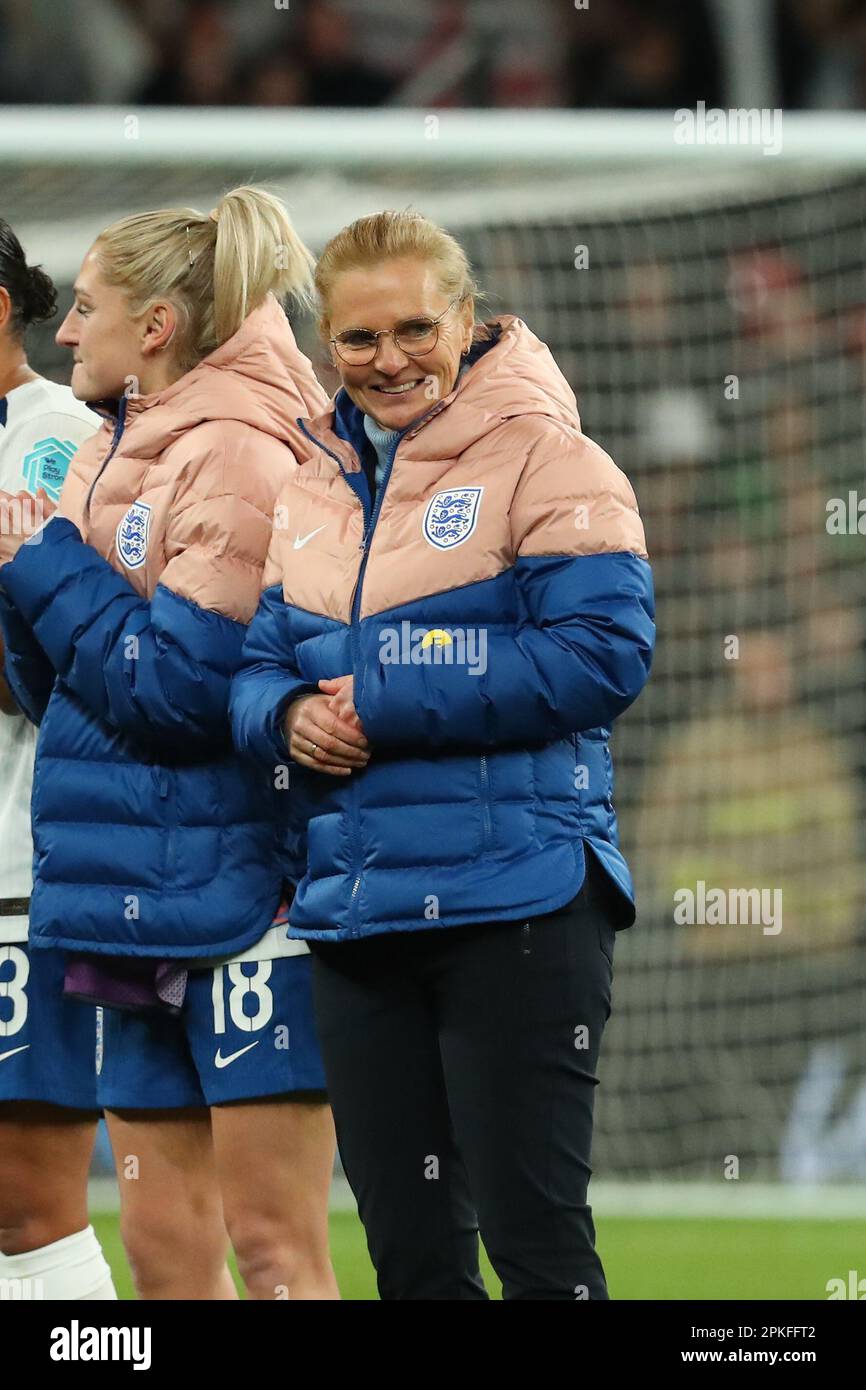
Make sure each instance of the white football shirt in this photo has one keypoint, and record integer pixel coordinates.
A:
(41, 428)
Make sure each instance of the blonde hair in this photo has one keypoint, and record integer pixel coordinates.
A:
(214, 268)
(393, 235)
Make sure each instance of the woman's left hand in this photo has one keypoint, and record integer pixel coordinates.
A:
(342, 692)
(21, 516)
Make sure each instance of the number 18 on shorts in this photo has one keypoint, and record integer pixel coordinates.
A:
(246, 1030)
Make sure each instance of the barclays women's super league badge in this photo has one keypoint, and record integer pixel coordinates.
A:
(47, 464)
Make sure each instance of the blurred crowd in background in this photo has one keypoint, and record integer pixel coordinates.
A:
(718, 352)
(448, 53)
(720, 356)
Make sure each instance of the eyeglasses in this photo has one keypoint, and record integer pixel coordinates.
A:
(416, 337)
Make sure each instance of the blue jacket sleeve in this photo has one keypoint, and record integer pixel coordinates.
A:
(266, 684)
(29, 673)
(579, 659)
(158, 671)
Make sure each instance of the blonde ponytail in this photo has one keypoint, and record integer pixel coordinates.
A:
(214, 268)
(257, 251)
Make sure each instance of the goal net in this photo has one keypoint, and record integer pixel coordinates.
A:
(709, 309)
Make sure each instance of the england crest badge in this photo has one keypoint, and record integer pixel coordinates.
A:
(451, 516)
(132, 535)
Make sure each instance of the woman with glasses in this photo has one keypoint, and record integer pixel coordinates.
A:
(472, 609)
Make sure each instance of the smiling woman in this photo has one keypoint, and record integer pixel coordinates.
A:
(410, 359)
(461, 895)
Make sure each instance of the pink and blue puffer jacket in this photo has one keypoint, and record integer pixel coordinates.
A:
(123, 628)
(495, 606)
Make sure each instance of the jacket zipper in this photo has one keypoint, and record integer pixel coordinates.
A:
(118, 431)
(164, 782)
(354, 637)
(368, 534)
(325, 450)
(485, 801)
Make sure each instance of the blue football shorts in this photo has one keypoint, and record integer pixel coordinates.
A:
(246, 1031)
(48, 1043)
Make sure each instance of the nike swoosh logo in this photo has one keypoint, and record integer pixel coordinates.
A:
(4, 1055)
(302, 540)
(221, 1061)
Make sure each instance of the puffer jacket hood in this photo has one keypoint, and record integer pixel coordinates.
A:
(517, 358)
(258, 377)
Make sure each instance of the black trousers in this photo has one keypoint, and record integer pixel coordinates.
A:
(461, 1066)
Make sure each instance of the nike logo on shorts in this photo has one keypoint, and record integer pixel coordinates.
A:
(302, 540)
(220, 1061)
(4, 1055)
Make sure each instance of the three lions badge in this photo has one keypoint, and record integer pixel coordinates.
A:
(451, 516)
(132, 535)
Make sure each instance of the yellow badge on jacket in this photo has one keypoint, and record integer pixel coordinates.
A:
(437, 635)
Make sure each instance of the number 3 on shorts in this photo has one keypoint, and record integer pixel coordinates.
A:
(241, 986)
(14, 989)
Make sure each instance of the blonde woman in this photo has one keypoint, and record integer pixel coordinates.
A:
(154, 842)
(474, 603)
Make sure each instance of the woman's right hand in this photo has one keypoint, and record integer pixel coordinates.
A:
(320, 739)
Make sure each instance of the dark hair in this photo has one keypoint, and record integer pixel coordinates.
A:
(32, 292)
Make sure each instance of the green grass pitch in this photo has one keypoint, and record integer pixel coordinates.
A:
(644, 1258)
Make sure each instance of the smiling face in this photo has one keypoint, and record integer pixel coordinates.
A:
(111, 347)
(396, 388)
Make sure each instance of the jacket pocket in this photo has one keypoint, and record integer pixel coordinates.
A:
(165, 783)
(606, 936)
(486, 803)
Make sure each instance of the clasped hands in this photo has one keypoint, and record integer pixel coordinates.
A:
(21, 516)
(324, 732)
